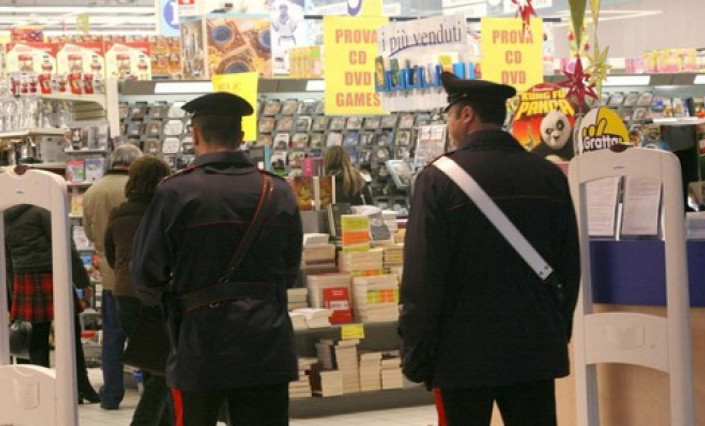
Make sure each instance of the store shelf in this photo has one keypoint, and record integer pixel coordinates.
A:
(98, 99)
(75, 216)
(32, 132)
(360, 401)
(79, 184)
(46, 165)
(336, 328)
(85, 151)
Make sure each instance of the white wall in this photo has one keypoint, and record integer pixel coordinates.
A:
(681, 24)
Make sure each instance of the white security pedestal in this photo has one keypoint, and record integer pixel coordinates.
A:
(660, 343)
(32, 395)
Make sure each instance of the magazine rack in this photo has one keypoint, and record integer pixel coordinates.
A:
(34, 395)
(660, 343)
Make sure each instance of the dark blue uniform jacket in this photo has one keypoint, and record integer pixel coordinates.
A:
(191, 231)
(474, 314)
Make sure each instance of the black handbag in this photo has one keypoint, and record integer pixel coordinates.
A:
(20, 338)
(148, 344)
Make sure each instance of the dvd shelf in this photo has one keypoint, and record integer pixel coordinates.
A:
(294, 129)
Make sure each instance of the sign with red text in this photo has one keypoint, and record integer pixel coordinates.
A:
(349, 63)
(511, 55)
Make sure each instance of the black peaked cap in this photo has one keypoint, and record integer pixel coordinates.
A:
(219, 103)
(481, 91)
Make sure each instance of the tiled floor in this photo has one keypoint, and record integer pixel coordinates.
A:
(93, 415)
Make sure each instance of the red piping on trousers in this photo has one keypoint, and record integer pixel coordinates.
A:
(438, 398)
(178, 407)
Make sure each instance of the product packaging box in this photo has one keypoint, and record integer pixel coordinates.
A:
(128, 60)
(31, 57)
(226, 46)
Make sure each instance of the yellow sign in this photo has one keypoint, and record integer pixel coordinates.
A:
(369, 7)
(244, 85)
(349, 62)
(601, 128)
(511, 55)
(352, 331)
(83, 22)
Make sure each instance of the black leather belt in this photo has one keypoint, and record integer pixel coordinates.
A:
(213, 295)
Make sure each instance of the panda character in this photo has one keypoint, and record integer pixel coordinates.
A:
(556, 133)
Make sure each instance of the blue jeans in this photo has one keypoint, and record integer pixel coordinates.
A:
(113, 344)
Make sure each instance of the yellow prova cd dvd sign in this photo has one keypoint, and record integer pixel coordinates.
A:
(601, 128)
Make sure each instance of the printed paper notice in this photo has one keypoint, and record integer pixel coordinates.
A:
(352, 331)
(642, 201)
(602, 197)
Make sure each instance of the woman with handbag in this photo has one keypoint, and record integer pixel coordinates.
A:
(28, 252)
(144, 175)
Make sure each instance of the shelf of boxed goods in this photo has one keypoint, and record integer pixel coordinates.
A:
(92, 107)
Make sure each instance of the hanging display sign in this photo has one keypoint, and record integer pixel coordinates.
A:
(543, 122)
(510, 7)
(191, 7)
(511, 55)
(289, 30)
(412, 55)
(349, 64)
(168, 13)
(245, 86)
(601, 128)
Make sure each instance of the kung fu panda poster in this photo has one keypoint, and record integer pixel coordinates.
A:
(543, 122)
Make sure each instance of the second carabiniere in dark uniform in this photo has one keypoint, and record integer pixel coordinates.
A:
(241, 348)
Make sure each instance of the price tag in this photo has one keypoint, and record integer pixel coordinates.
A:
(352, 331)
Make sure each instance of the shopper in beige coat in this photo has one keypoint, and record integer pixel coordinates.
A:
(100, 199)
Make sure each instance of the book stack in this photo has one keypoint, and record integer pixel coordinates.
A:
(302, 387)
(392, 377)
(326, 383)
(341, 355)
(76, 204)
(318, 258)
(297, 298)
(370, 262)
(81, 239)
(298, 321)
(355, 232)
(370, 371)
(376, 298)
(390, 219)
(338, 300)
(315, 317)
(393, 255)
(316, 283)
(75, 170)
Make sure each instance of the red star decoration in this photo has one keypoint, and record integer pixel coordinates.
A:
(526, 10)
(577, 83)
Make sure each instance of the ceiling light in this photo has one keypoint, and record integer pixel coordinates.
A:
(52, 10)
(627, 80)
(699, 79)
(315, 85)
(180, 87)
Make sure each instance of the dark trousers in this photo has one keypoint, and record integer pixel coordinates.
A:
(523, 404)
(152, 408)
(113, 389)
(255, 406)
(39, 350)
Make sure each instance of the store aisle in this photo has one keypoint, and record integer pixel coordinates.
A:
(93, 415)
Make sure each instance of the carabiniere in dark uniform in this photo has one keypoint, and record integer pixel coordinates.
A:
(190, 232)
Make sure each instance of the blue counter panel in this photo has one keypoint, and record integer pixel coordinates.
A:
(633, 272)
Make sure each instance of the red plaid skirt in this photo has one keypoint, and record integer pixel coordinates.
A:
(33, 298)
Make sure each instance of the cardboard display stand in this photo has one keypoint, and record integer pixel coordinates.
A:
(659, 343)
(34, 395)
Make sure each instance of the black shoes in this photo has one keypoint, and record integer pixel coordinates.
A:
(89, 395)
